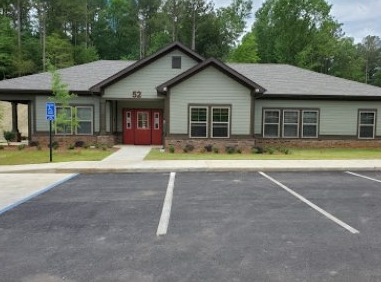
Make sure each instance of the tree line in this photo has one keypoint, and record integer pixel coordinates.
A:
(301, 33)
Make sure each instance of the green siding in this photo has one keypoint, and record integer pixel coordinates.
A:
(148, 78)
(336, 117)
(210, 87)
(40, 112)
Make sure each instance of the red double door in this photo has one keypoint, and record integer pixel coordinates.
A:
(142, 127)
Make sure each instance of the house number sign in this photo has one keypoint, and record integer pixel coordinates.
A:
(136, 94)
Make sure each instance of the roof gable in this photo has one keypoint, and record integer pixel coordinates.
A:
(163, 88)
(144, 62)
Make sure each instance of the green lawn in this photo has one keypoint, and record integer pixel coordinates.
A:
(293, 154)
(13, 156)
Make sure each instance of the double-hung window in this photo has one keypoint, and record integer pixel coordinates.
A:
(82, 115)
(85, 120)
(220, 122)
(290, 124)
(63, 122)
(271, 123)
(198, 122)
(367, 124)
(310, 123)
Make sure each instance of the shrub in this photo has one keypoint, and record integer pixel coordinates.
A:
(270, 150)
(239, 151)
(1, 147)
(21, 147)
(257, 150)
(79, 144)
(38, 147)
(171, 149)
(189, 147)
(34, 144)
(230, 150)
(9, 136)
(55, 145)
(71, 147)
(215, 150)
(208, 148)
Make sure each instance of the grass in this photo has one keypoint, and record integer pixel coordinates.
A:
(295, 154)
(30, 155)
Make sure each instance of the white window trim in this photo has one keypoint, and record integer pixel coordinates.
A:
(316, 124)
(217, 122)
(368, 125)
(264, 122)
(297, 123)
(71, 121)
(90, 120)
(196, 122)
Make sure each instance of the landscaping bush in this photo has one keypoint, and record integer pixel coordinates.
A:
(79, 144)
(71, 147)
(171, 149)
(189, 147)
(34, 144)
(215, 150)
(257, 150)
(230, 150)
(21, 147)
(1, 147)
(208, 148)
(55, 145)
(9, 136)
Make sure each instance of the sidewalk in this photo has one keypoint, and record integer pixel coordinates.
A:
(131, 159)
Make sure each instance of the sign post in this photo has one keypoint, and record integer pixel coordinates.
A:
(50, 116)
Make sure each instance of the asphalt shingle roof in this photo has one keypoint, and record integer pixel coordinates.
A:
(278, 79)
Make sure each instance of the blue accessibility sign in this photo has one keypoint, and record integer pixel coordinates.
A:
(50, 111)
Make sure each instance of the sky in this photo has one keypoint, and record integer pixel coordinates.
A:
(359, 17)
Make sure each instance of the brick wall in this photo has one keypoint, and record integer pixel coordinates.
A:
(65, 141)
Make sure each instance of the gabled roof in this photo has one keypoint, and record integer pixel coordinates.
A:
(79, 78)
(146, 61)
(163, 88)
(286, 81)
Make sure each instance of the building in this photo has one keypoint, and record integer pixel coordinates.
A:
(177, 97)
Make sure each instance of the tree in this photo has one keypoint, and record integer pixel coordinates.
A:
(65, 119)
(246, 52)
(297, 32)
(370, 49)
(7, 47)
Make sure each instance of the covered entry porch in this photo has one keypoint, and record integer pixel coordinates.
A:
(135, 122)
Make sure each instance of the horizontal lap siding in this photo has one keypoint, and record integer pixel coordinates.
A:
(336, 117)
(210, 87)
(43, 125)
(148, 78)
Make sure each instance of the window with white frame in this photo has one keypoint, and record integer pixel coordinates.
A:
(220, 122)
(63, 122)
(310, 123)
(65, 116)
(85, 120)
(291, 123)
(271, 122)
(198, 122)
(367, 124)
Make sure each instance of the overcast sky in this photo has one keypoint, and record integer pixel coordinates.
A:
(359, 17)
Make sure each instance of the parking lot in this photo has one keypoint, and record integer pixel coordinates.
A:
(194, 226)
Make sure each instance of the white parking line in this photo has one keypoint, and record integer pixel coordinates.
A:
(363, 176)
(167, 206)
(312, 205)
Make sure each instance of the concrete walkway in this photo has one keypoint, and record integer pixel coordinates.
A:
(131, 159)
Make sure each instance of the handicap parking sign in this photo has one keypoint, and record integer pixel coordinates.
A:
(50, 111)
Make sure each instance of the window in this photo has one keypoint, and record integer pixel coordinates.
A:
(367, 122)
(271, 122)
(220, 122)
(198, 122)
(176, 62)
(143, 121)
(85, 120)
(290, 124)
(310, 124)
(63, 122)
